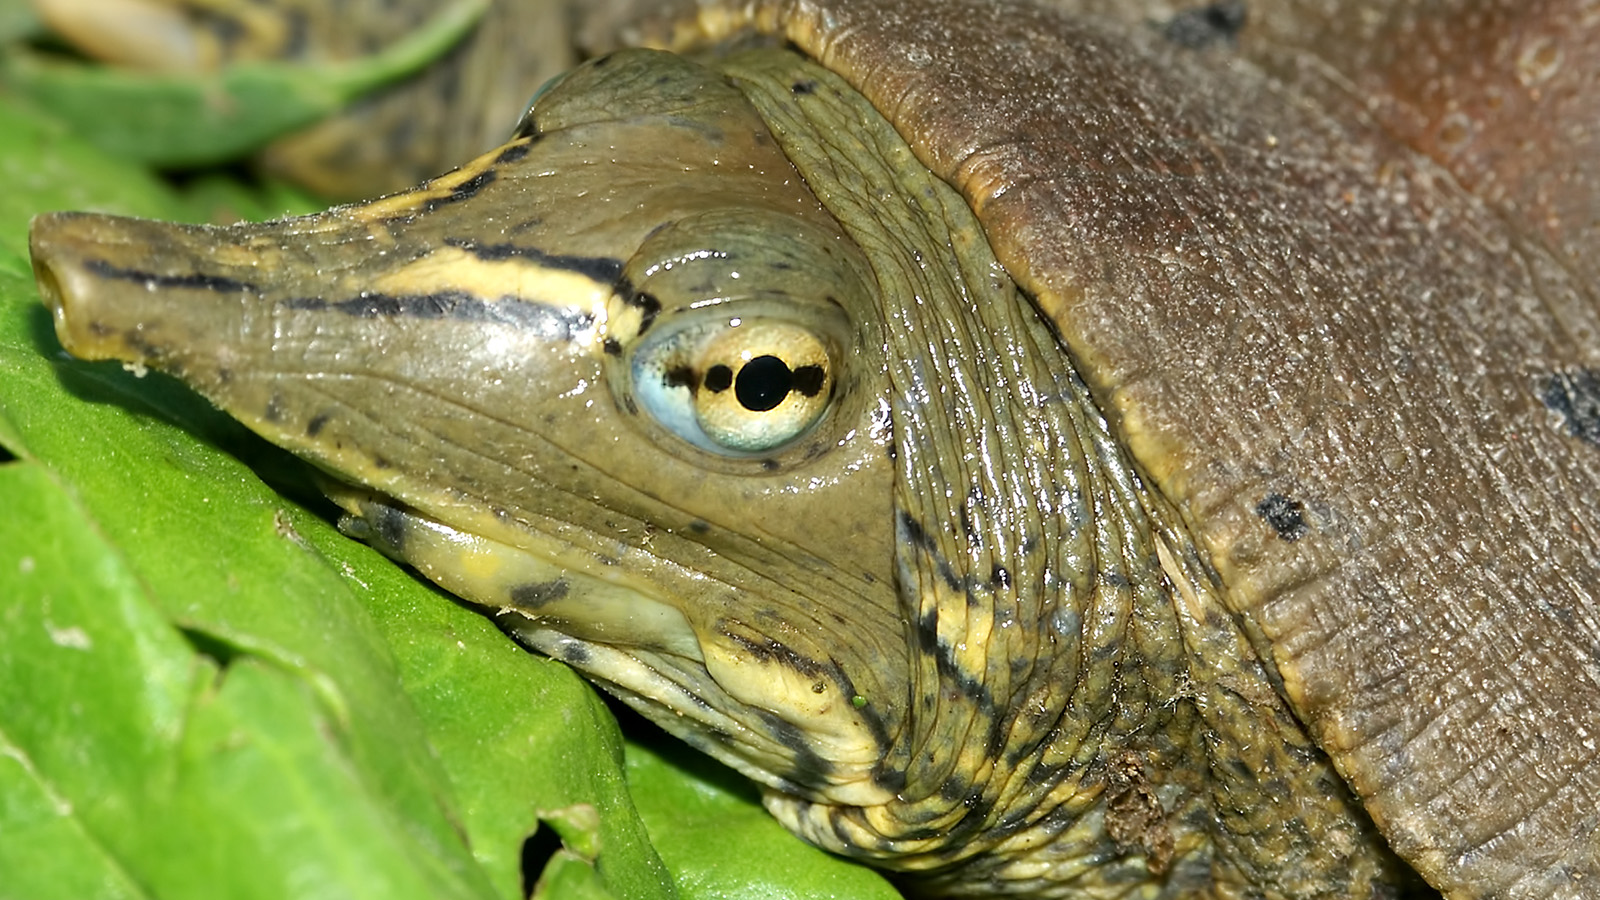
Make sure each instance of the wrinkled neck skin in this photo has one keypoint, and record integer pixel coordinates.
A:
(927, 602)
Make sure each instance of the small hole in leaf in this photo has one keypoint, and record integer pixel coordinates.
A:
(536, 852)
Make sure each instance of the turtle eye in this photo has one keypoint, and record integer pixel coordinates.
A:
(735, 385)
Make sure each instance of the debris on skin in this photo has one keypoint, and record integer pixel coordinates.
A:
(1284, 515)
(1207, 26)
(1135, 820)
(1575, 397)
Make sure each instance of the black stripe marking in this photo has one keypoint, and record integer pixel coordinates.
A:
(949, 667)
(153, 280)
(808, 768)
(515, 152)
(604, 269)
(548, 322)
(777, 651)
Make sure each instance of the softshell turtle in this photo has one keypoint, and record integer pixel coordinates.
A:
(1055, 454)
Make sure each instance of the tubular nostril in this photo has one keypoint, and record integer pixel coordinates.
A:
(47, 245)
(49, 287)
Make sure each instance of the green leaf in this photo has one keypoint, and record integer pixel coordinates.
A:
(708, 824)
(188, 120)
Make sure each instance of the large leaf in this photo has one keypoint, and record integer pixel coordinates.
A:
(205, 690)
(190, 119)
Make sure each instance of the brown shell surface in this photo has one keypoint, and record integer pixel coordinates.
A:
(1333, 279)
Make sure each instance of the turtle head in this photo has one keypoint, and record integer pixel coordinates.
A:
(616, 381)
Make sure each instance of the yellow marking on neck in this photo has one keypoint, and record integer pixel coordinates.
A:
(412, 201)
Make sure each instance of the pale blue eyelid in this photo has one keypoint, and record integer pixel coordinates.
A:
(671, 405)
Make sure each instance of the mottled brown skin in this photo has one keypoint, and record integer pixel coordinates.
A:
(1275, 302)
(1330, 277)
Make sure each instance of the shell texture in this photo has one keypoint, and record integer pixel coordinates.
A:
(1363, 396)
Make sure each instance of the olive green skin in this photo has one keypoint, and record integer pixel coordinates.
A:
(1343, 360)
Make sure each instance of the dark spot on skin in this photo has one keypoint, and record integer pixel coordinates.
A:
(680, 376)
(611, 346)
(381, 462)
(274, 411)
(1114, 578)
(804, 87)
(1284, 515)
(534, 596)
(999, 577)
(575, 653)
(1575, 397)
(1207, 26)
(152, 281)
(604, 269)
(719, 379)
(955, 788)
(769, 465)
(317, 423)
(389, 527)
(630, 406)
(699, 527)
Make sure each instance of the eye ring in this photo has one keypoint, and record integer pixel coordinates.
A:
(736, 385)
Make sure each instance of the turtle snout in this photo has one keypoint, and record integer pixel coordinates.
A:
(60, 245)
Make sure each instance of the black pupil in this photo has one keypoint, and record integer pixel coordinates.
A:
(762, 384)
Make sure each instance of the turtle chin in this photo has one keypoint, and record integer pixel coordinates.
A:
(734, 693)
